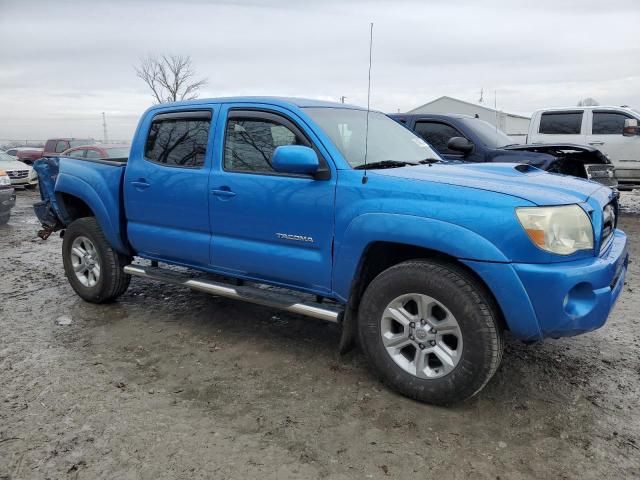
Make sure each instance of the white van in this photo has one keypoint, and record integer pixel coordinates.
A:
(612, 130)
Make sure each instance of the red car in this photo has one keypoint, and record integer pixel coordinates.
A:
(55, 146)
(29, 156)
(102, 151)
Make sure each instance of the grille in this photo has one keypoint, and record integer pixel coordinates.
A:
(17, 174)
(608, 222)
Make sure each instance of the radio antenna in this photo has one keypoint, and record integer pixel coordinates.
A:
(366, 132)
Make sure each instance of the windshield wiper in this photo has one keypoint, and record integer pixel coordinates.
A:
(429, 161)
(383, 164)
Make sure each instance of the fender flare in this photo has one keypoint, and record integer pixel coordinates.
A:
(443, 237)
(77, 187)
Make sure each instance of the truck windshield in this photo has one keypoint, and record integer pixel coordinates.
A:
(388, 140)
(490, 136)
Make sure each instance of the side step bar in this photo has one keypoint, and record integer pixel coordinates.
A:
(263, 297)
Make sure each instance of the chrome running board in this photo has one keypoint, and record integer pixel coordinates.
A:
(264, 297)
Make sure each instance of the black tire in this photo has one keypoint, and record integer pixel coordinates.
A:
(468, 301)
(4, 218)
(112, 281)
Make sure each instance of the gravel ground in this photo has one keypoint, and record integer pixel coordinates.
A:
(168, 383)
(630, 202)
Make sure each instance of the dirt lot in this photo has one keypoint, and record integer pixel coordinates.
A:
(168, 383)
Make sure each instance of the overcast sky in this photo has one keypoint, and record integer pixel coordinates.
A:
(62, 63)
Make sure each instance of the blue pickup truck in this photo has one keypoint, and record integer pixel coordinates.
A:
(356, 220)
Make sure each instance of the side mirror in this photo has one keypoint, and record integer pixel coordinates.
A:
(295, 159)
(630, 127)
(460, 144)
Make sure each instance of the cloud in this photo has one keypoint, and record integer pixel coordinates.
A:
(64, 63)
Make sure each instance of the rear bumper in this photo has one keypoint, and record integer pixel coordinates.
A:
(7, 200)
(559, 299)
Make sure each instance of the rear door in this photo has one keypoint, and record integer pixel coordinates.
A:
(566, 126)
(166, 188)
(267, 225)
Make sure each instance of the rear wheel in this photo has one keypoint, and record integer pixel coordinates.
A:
(93, 268)
(430, 331)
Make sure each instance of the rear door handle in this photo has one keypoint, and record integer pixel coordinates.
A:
(223, 192)
(141, 184)
(596, 143)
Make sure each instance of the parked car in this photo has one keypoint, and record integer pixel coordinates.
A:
(29, 156)
(469, 139)
(612, 130)
(426, 262)
(26, 155)
(20, 174)
(99, 151)
(7, 197)
(55, 146)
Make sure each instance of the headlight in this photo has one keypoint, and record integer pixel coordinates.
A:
(4, 179)
(562, 230)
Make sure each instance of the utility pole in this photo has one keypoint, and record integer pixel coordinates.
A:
(105, 138)
(342, 99)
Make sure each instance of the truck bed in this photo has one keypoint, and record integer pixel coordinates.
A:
(99, 182)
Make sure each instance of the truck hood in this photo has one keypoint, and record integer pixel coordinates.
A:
(517, 180)
(13, 165)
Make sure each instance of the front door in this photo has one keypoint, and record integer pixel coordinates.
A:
(166, 189)
(606, 135)
(266, 225)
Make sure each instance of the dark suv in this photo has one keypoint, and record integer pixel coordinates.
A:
(463, 138)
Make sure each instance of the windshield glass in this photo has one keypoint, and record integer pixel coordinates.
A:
(491, 136)
(6, 158)
(119, 152)
(388, 140)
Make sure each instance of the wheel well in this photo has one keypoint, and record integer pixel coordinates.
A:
(382, 255)
(75, 207)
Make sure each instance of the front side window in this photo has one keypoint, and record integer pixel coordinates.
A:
(61, 146)
(608, 123)
(77, 154)
(250, 143)
(387, 139)
(561, 123)
(438, 135)
(93, 154)
(177, 141)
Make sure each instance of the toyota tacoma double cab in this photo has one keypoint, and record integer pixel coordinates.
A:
(348, 217)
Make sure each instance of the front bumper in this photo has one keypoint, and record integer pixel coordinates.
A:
(7, 200)
(558, 299)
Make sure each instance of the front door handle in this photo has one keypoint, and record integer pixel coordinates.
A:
(141, 184)
(223, 192)
(596, 143)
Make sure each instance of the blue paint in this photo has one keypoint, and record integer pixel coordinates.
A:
(310, 233)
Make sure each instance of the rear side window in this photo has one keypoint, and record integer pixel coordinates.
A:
(250, 143)
(608, 123)
(93, 154)
(78, 154)
(179, 140)
(561, 123)
(50, 146)
(438, 135)
(61, 146)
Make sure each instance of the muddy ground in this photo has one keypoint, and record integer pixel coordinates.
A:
(168, 383)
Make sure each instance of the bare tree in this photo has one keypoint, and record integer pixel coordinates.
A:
(588, 102)
(170, 78)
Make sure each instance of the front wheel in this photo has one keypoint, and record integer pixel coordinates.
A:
(430, 331)
(93, 268)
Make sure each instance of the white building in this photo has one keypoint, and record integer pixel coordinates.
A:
(513, 125)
